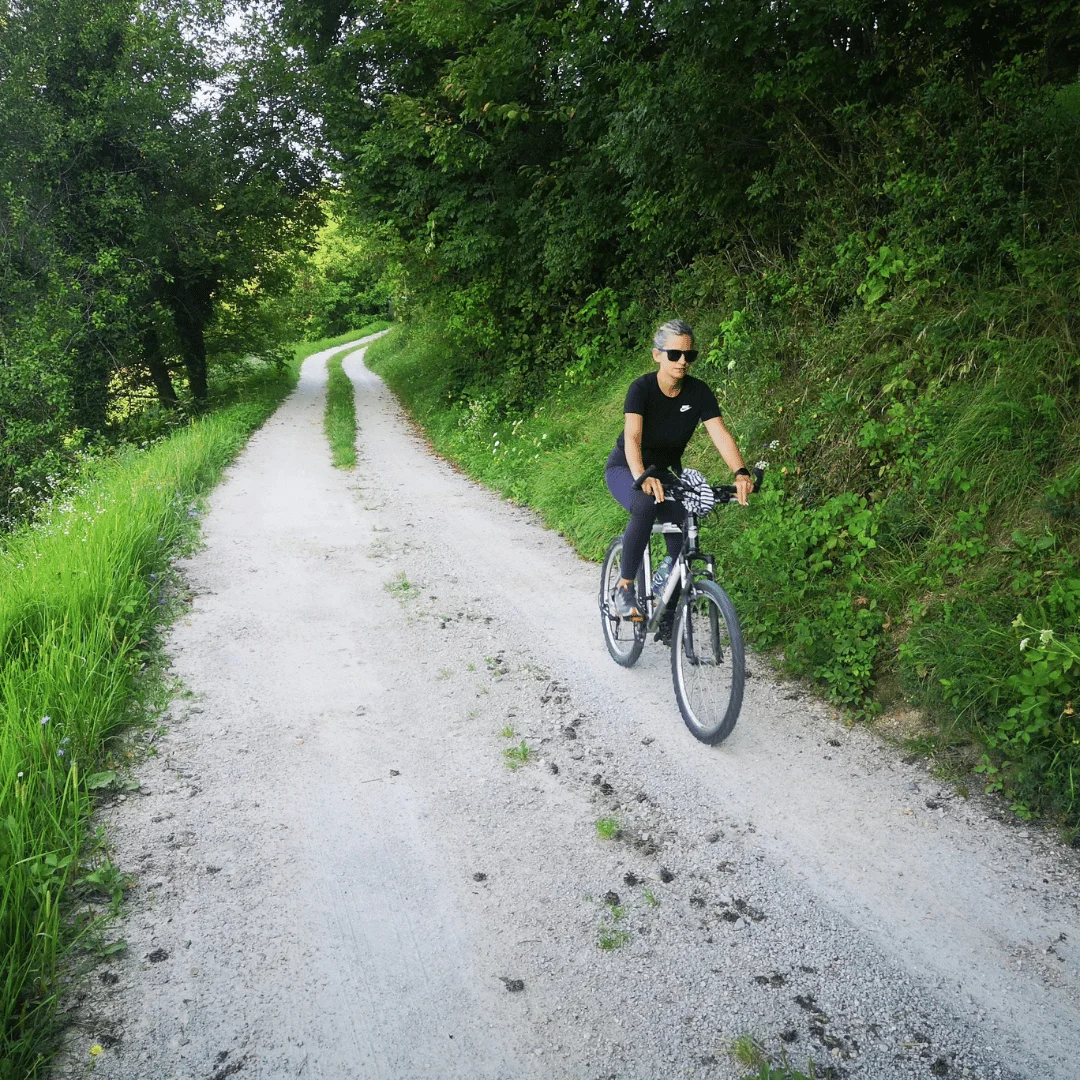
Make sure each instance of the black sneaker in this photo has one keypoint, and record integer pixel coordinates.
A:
(625, 603)
(665, 627)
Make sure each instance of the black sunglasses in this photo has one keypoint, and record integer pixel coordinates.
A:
(674, 354)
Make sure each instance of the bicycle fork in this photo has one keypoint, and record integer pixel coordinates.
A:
(680, 576)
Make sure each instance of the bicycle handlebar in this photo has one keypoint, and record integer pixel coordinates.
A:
(724, 492)
(650, 471)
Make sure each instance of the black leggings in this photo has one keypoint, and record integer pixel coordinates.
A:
(644, 512)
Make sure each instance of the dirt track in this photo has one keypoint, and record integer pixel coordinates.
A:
(338, 876)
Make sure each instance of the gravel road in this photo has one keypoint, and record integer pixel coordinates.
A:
(339, 876)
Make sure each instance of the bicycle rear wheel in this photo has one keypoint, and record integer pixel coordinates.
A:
(708, 663)
(624, 639)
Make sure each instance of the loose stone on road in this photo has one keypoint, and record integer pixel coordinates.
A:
(338, 875)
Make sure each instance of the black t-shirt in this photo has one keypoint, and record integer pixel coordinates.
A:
(668, 422)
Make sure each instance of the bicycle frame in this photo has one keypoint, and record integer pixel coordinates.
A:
(681, 570)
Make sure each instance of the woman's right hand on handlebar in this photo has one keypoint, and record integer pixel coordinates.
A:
(653, 487)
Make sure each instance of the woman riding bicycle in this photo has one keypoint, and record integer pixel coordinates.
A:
(663, 409)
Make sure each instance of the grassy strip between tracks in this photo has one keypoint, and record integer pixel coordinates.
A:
(340, 417)
(84, 593)
(339, 420)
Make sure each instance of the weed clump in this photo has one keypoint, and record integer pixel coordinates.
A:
(516, 756)
(607, 828)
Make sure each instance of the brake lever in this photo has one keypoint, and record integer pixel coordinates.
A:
(726, 492)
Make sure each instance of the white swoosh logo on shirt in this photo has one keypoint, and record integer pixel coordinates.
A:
(686, 408)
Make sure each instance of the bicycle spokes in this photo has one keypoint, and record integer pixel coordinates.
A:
(707, 662)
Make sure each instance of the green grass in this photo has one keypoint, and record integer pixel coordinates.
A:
(339, 419)
(607, 828)
(748, 1053)
(610, 934)
(402, 587)
(612, 938)
(519, 755)
(783, 1072)
(85, 592)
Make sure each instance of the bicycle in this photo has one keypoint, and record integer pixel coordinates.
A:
(708, 660)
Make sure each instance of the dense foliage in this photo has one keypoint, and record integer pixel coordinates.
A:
(153, 190)
(869, 209)
(349, 278)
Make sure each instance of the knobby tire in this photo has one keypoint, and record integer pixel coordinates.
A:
(708, 662)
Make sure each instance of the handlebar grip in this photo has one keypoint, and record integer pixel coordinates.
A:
(726, 492)
(650, 471)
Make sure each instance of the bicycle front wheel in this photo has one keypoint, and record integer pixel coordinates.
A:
(708, 663)
(624, 639)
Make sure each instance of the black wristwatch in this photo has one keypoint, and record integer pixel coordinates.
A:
(744, 471)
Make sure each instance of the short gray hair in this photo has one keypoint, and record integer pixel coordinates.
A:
(672, 328)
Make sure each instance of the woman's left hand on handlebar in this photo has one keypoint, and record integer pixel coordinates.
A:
(744, 486)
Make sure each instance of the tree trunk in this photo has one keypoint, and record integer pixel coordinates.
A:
(191, 312)
(154, 359)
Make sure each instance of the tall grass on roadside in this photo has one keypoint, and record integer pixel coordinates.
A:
(339, 420)
(80, 595)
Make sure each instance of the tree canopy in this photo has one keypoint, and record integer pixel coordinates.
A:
(552, 168)
(155, 180)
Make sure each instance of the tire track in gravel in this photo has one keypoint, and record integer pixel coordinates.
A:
(347, 880)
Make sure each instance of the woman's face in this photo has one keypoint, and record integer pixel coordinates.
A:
(677, 369)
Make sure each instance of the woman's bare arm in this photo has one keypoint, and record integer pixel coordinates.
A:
(632, 449)
(723, 442)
